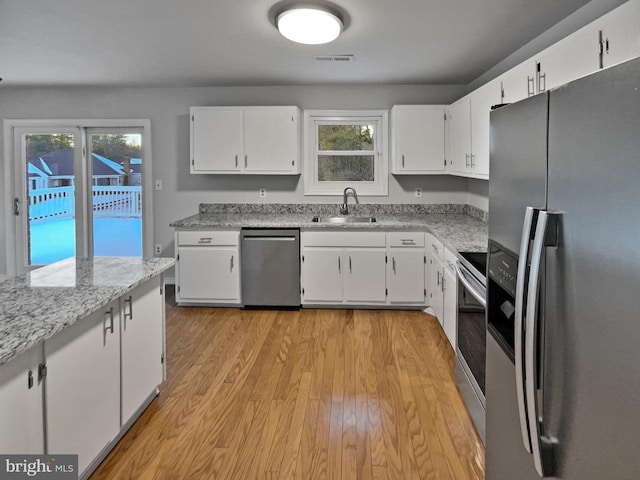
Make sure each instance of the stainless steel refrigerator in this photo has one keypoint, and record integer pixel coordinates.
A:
(563, 313)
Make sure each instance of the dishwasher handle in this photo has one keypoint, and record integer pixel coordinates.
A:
(268, 238)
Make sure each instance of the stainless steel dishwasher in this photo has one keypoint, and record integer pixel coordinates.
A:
(270, 267)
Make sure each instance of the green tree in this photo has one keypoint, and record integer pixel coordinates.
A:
(41, 144)
(114, 146)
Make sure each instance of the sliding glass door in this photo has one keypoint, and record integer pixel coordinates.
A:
(78, 192)
(116, 192)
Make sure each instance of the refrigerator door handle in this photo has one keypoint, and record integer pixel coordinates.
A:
(530, 215)
(542, 446)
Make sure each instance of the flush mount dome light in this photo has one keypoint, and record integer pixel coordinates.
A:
(309, 25)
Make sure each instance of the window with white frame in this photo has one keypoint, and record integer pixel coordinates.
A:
(346, 148)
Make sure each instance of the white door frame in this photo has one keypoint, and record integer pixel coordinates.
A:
(14, 264)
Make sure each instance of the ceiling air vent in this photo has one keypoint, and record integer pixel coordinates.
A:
(334, 58)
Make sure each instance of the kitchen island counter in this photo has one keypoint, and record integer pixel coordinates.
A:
(37, 305)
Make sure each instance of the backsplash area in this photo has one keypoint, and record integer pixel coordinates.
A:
(332, 209)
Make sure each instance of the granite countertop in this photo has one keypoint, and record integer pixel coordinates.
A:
(41, 303)
(458, 231)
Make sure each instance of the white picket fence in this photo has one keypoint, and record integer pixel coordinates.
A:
(56, 203)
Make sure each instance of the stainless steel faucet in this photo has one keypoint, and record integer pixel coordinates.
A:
(344, 208)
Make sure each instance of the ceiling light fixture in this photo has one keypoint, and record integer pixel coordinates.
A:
(309, 25)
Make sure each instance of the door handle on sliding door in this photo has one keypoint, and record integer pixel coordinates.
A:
(541, 445)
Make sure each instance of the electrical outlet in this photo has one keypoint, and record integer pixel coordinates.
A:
(158, 184)
(158, 249)
(418, 192)
(263, 193)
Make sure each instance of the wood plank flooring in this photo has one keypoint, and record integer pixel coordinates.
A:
(309, 394)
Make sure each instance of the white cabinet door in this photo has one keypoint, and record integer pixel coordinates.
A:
(217, 139)
(518, 82)
(460, 136)
(364, 275)
(21, 421)
(417, 137)
(436, 300)
(572, 57)
(83, 386)
(322, 275)
(271, 143)
(405, 276)
(621, 33)
(208, 274)
(142, 319)
(481, 101)
(450, 309)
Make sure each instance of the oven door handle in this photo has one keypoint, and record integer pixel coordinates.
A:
(477, 295)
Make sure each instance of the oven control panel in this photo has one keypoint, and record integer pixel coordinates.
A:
(503, 268)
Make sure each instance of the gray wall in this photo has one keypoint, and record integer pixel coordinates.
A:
(168, 110)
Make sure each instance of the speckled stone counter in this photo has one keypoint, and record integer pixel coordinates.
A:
(456, 226)
(36, 306)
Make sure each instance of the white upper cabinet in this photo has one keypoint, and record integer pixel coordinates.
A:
(620, 33)
(469, 131)
(217, 139)
(417, 139)
(252, 140)
(481, 101)
(460, 137)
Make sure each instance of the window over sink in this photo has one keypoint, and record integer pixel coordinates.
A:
(346, 148)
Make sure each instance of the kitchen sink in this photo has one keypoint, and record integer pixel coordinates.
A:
(319, 219)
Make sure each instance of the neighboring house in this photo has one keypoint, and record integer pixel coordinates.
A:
(55, 169)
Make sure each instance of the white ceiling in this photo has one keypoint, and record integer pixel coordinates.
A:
(234, 42)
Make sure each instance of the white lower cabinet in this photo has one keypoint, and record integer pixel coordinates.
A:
(406, 268)
(208, 267)
(21, 419)
(364, 275)
(142, 346)
(442, 287)
(322, 275)
(83, 386)
(450, 300)
(343, 268)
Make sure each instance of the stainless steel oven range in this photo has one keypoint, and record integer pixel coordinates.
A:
(471, 349)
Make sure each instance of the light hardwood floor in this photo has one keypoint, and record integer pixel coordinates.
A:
(335, 394)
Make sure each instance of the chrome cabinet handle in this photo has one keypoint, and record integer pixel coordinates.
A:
(16, 206)
(407, 241)
(246, 162)
(402, 161)
(350, 270)
(130, 314)
(530, 215)
(466, 156)
(236, 160)
(339, 266)
(393, 264)
(473, 164)
(438, 275)
(541, 445)
(530, 86)
(204, 240)
(110, 327)
(231, 264)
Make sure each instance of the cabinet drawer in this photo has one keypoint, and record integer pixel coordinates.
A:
(344, 239)
(206, 238)
(406, 239)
